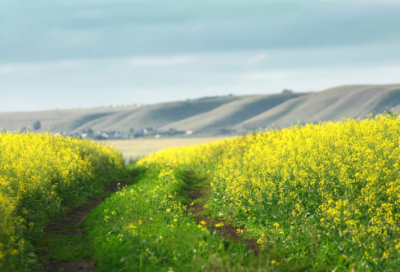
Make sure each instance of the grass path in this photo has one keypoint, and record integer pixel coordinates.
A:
(64, 246)
(67, 244)
(152, 225)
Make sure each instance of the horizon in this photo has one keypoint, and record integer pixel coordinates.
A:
(188, 99)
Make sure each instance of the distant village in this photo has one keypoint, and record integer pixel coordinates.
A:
(150, 132)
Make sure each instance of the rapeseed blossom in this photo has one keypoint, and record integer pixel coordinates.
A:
(333, 182)
(41, 175)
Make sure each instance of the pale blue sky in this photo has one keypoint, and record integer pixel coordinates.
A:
(67, 54)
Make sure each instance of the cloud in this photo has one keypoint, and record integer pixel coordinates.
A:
(258, 58)
(6, 69)
(57, 30)
(379, 2)
(162, 61)
(322, 78)
(69, 63)
(266, 75)
(196, 29)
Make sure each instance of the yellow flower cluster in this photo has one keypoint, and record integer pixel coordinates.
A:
(337, 182)
(41, 175)
(345, 176)
(200, 157)
(8, 248)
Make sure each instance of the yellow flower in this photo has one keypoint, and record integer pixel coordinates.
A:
(345, 173)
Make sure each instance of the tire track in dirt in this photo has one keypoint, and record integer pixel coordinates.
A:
(72, 218)
(227, 230)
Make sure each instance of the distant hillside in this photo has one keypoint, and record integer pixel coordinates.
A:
(213, 114)
(158, 115)
(119, 118)
(232, 113)
(332, 104)
(57, 120)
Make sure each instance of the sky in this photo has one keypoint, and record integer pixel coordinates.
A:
(86, 53)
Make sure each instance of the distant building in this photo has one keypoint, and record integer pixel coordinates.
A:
(141, 132)
(117, 135)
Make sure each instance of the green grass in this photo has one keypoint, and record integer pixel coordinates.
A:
(64, 247)
(145, 227)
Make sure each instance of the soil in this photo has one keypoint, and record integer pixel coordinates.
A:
(66, 267)
(227, 230)
(74, 217)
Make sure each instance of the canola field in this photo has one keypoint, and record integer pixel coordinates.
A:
(321, 197)
(40, 176)
(324, 196)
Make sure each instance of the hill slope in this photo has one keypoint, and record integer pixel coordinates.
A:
(120, 119)
(156, 115)
(213, 114)
(57, 120)
(231, 113)
(332, 104)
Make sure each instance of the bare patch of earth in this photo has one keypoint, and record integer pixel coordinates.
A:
(227, 230)
(85, 266)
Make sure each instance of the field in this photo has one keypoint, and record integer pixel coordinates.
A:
(322, 197)
(143, 147)
(316, 197)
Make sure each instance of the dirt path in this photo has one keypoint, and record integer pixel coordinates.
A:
(69, 226)
(227, 230)
(72, 218)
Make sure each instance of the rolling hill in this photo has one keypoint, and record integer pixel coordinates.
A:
(212, 115)
(329, 105)
(230, 114)
(117, 118)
